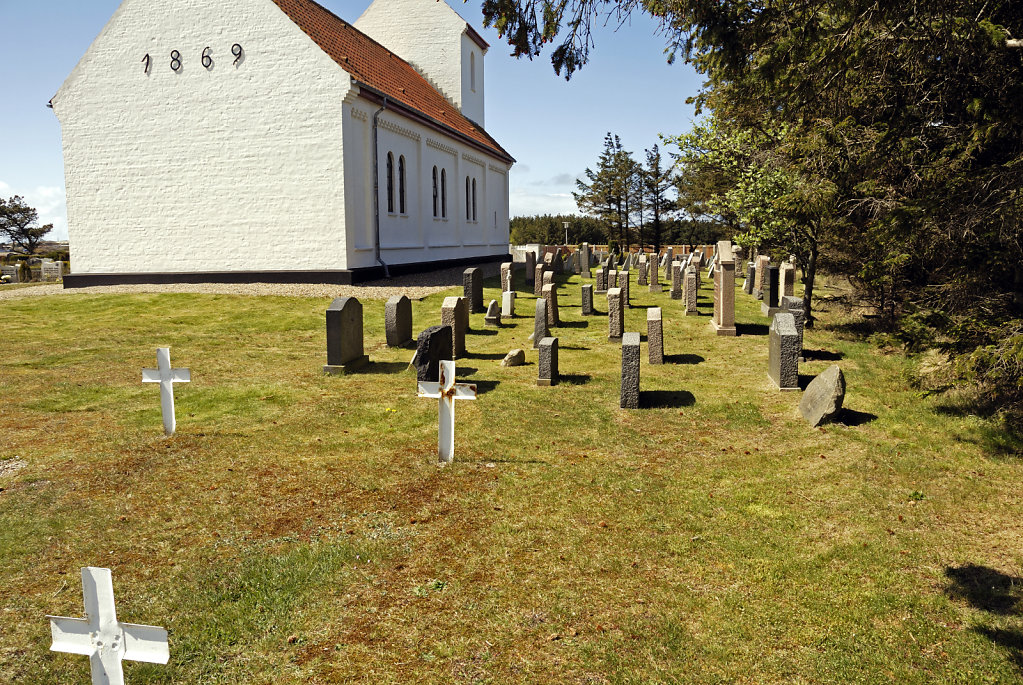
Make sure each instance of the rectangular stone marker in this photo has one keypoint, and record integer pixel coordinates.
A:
(398, 321)
(783, 352)
(653, 276)
(540, 328)
(550, 296)
(691, 293)
(623, 285)
(601, 279)
(630, 371)
(587, 299)
(794, 305)
(447, 391)
(548, 279)
(538, 273)
(758, 282)
(641, 278)
(723, 320)
(548, 362)
(615, 314)
(13, 272)
(472, 289)
(751, 277)
(508, 304)
(577, 262)
(345, 351)
(770, 306)
(655, 335)
(587, 256)
(51, 271)
(787, 279)
(101, 637)
(676, 280)
(507, 273)
(530, 266)
(455, 313)
(433, 347)
(492, 319)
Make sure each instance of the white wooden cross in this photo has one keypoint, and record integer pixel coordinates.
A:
(100, 637)
(166, 377)
(447, 391)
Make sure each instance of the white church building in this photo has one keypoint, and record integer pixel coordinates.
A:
(269, 140)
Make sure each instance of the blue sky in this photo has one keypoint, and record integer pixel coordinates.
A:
(554, 128)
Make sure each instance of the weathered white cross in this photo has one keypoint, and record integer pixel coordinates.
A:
(101, 638)
(166, 377)
(447, 391)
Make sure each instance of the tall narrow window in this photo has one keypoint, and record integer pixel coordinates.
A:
(444, 193)
(474, 199)
(468, 200)
(472, 71)
(401, 184)
(390, 183)
(436, 195)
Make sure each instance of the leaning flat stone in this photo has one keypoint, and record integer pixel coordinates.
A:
(823, 398)
(514, 358)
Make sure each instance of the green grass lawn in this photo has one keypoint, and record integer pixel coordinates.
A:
(297, 528)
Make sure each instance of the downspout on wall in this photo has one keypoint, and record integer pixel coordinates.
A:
(376, 190)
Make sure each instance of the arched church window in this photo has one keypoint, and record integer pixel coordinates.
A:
(436, 195)
(390, 183)
(474, 199)
(468, 200)
(444, 193)
(401, 184)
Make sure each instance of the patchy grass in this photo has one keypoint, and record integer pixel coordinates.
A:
(297, 529)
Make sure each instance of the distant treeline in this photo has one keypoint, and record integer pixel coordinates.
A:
(550, 230)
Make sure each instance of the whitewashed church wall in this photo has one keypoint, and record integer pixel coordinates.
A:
(233, 168)
(497, 205)
(473, 92)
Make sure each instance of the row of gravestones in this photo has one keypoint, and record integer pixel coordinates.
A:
(48, 270)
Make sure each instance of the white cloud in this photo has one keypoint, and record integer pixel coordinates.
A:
(49, 201)
(525, 202)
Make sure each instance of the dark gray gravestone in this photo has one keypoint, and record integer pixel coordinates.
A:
(823, 398)
(655, 335)
(540, 329)
(548, 362)
(455, 313)
(398, 321)
(783, 352)
(795, 306)
(623, 285)
(472, 289)
(751, 276)
(434, 345)
(507, 273)
(587, 297)
(770, 305)
(676, 280)
(345, 351)
(602, 278)
(615, 314)
(630, 371)
(530, 266)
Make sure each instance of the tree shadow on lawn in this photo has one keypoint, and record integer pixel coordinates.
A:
(483, 355)
(683, 359)
(574, 378)
(853, 418)
(995, 592)
(822, 356)
(481, 331)
(385, 367)
(666, 399)
(574, 347)
(752, 329)
(572, 324)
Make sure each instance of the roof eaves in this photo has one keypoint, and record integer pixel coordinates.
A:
(476, 37)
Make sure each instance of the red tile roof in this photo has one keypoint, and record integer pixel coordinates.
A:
(373, 65)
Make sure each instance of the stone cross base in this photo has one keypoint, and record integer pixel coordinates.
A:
(348, 367)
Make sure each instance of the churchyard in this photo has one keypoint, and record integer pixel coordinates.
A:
(297, 529)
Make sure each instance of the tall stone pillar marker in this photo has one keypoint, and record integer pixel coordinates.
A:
(723, 320)
(629, 398)
(676, 280)
(783, 352)
(758, 281)
(691, 291)
(615, 314)
(548, 371)
(472, 287)
(655, 335)
(538, 271)
(772, 302)
(587, 299)
(540, 329)
(550, 297)
(530, 266)
(345, 351)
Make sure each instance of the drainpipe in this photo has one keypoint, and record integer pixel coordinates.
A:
(376, 190)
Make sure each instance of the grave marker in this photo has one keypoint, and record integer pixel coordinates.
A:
(345, 352)
(676, 280)
(455, 313)
(601, 279)
(540, 329)
(691, 294)
(433, 347)
(770, 305)
(587, 300)
(548, 372)
(398, 321)
(493, 316)
(629, 398)
(472, 289)
(447, 391)
(530, 266)
(507, 273)
(615, 314)
(787, 279)
(166, 377)
(723, 320)
(508, 304)
(783, 352)
(655, 335)
(550, 296)
(538, 273)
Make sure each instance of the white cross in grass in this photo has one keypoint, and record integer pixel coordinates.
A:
(447, 391)
(166, 377)
(101, 638)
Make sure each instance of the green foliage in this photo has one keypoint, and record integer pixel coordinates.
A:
(549, 229)
(17, 223)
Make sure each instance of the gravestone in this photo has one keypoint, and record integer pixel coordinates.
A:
(538, 273)
(446, 391)
(823, 399)
(723, 320)
(587, 256)
(787, 279)
(612, 279)
(758, 281)
(530, 266)
(548, 373)
(550, 296)
(166, 376)
(548, 279)
(507, 274)
(514, 358)
(652, 275)
(601, 279)
(691, 292)
(751, 276)
(51, 271)
(795, 306)
(783, 352)
(623, 285)
(345, 351)
(587, 300)
(433, 347)
(641, 278)
(508, 304)
(472, 289)
(13, 272)
(770, 305)
(540, 328)
(615, 314)
(492, 319)
(655, 335)
(398, 321)
(676, 280)
(630, 371)
(577, 262)
(101, 637)
(455, 313)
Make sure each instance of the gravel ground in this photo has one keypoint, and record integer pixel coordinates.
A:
(414, 286)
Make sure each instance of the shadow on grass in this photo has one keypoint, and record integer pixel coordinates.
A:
(666, 399)
(1002, 432)
(805, 380)
(852, 418)
(483, 355)
(481, 331)
(995, 592)
(574, 347)
(752, 329)
(822, 356)
(483, 387)
(683, 359)
(385, 367)
(574, 378)
(573, 324)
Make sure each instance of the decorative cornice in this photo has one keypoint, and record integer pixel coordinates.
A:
(475, 160)
(498, 169)
(437, 145)
(400, 130)
(359, 114)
